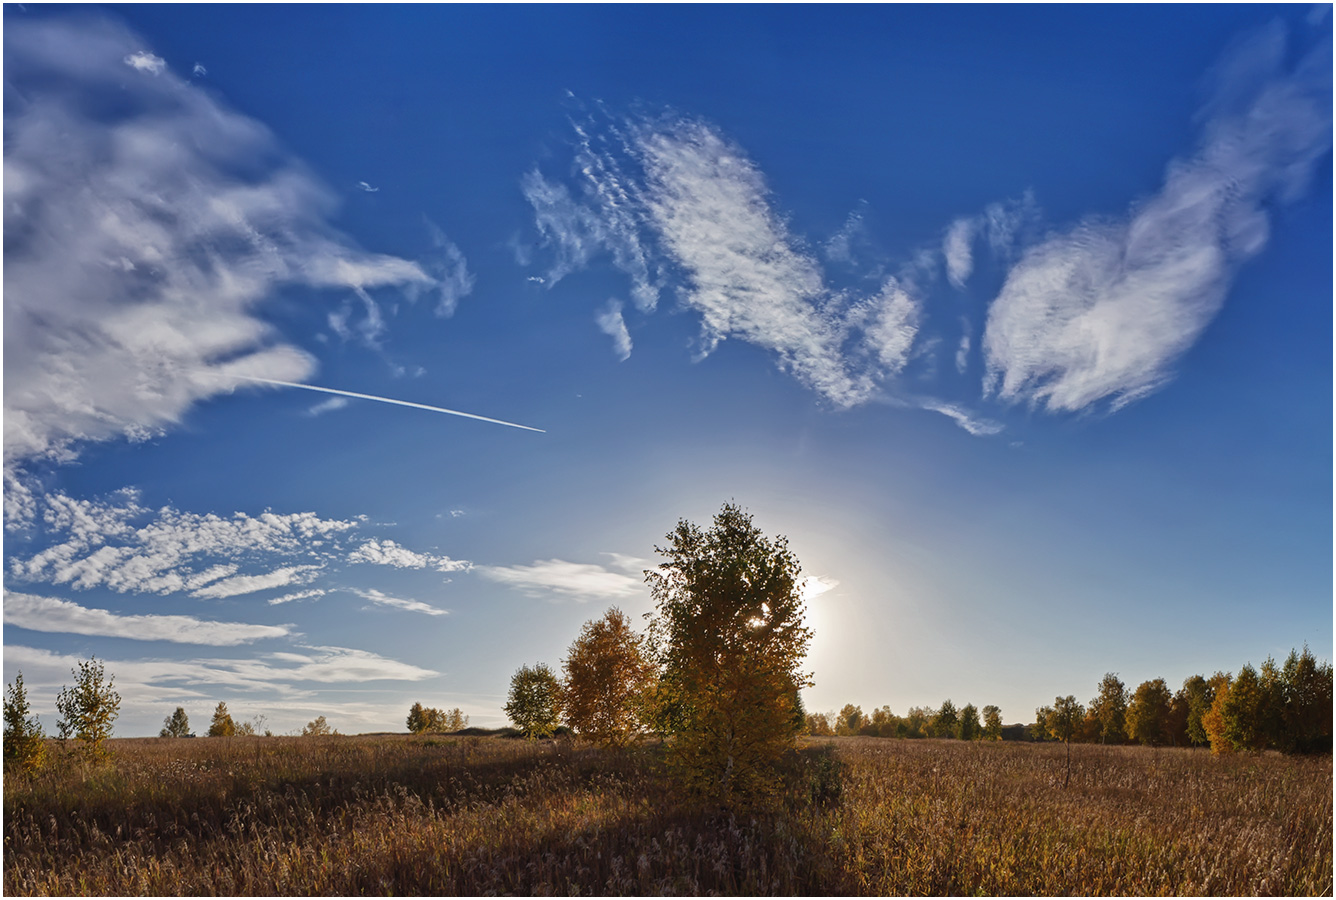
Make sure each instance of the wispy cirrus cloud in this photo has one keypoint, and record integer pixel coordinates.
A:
(673, 195)
(136, 259)
(557, 577)
(380, 598)
(51, 614)
(1102, 311)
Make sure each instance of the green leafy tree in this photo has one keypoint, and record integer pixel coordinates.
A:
(970, 729)
(222, 724)
(1062, 720)
(851, 720)
(946, 722)
(1307, 718)
(1200, 695)
(24, 743)
(534, 704)
(176, 725)
(916, 722)
(729, 635)
(1111, 709)
(88, 709)
(1039, 729)
(608, 681)
(317, 727)
(1244, 712)
(1148, 714)
(992, 723)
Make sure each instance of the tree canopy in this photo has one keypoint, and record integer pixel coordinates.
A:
(730, 639)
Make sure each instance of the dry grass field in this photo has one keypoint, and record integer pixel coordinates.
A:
(469, 815)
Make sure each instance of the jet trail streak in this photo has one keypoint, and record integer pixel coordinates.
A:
(439, 409)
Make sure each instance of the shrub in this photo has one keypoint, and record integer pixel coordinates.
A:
(24, 743)
(88, 709)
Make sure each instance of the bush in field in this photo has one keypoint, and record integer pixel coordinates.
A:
(608, 681)
(222, 724)
(317, 727)
(729, 634)
(534, 704)
(176, 725)
(24, 743)
(88, 709)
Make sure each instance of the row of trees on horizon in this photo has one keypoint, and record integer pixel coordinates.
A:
(1281, 707)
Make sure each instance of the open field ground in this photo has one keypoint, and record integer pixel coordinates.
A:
(471, 815)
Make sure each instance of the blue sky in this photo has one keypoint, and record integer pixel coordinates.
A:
(1017, 321)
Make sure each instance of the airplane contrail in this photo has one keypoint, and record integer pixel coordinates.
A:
(439, 409)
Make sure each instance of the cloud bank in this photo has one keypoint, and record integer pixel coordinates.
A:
(557, 577)
(51, 614)
(145, 225)
(1102, 311)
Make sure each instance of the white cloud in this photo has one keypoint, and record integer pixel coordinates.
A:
(388, 553)
(417, 606)
(280, 674)
(448, 267)
(578, 581)
(119, 544)
(634, 565)
(958, 249)
(299, 595)
(841, 245)
(979, 427)
(813, 586)
(611, 323)
(146, 62)
(747, 278)
(1102, 311)
(330, 405)
(963, 353)
(890, 324)
(63, 616)
(674, 195)
(250, 584)
(366, 187)
(199, 71)
(135, 258)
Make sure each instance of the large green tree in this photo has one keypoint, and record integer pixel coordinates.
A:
(1307, 704)
(534, 704)
(1110, 707)
(1200, 695)
(729, 634)
(992, 723)
(1148, 714)
(176, 725)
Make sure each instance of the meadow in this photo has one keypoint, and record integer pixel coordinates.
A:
(441, 815)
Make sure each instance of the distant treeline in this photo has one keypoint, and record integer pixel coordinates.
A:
(1282, 707)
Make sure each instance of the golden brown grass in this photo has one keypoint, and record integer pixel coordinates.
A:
(467, 815)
